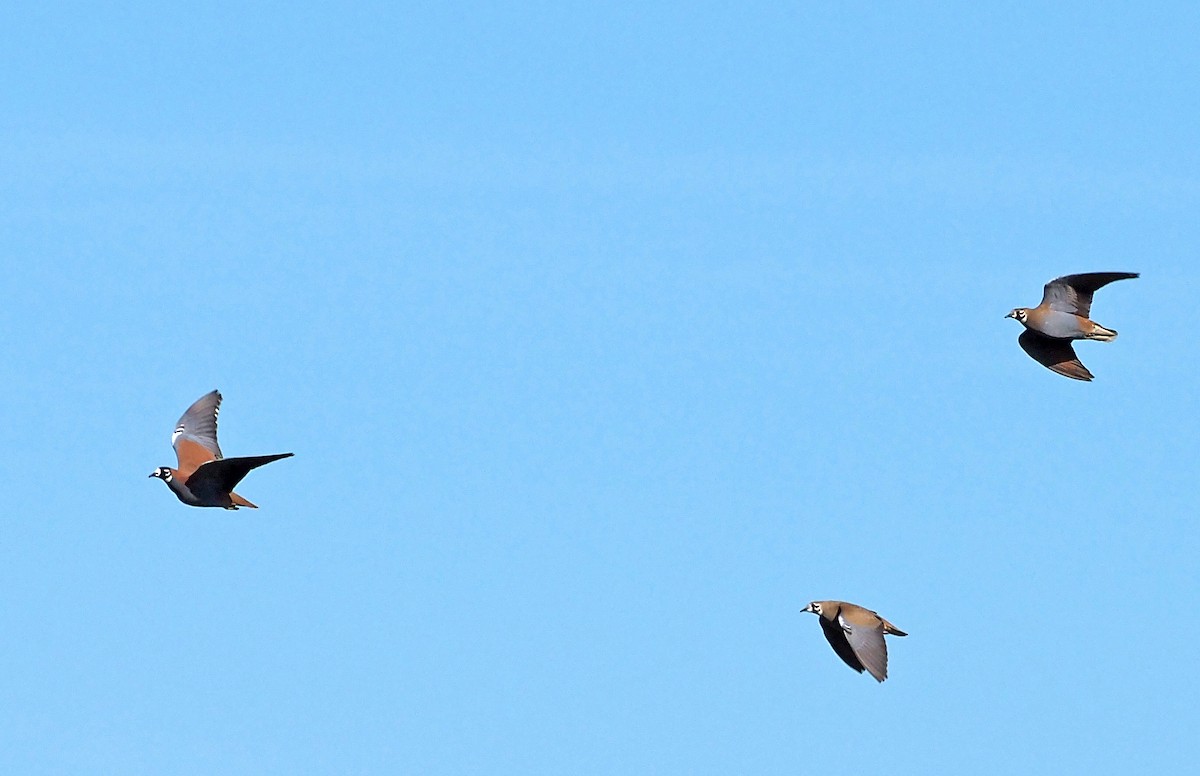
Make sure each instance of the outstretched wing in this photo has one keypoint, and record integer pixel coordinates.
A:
(1057, 355)
(1073, 293)
(868, 646)
(195, 436)
(217, 478)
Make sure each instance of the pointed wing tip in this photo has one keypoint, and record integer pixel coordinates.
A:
(1112, 275)
(878, 673)
(1084, 377)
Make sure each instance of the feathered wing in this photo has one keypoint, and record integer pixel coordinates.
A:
(1073, 293)
(1055, 354)
(195, 435)
(868, 646)
(217, 478)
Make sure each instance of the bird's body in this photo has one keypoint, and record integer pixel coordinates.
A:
(206, 487)
(856, 635)
(1061, 318)
(205, 478)
(1060, 325)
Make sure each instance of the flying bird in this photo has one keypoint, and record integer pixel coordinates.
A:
(856, 635)
(1062, 317)
(205, 478)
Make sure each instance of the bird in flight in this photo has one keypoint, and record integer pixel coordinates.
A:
(204, 477)
(856, 635)
(1062, 317)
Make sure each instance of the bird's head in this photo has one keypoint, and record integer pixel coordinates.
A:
(163, 473)
(814, 607)
(1020, 313)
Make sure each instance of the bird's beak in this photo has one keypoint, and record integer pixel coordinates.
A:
(1008, 314)
(807, 608)
(153, 474)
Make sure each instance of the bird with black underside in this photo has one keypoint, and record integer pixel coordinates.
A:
(204, 477)
(856, 635)
(1061, 318)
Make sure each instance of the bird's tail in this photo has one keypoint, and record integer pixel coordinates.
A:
(1100, 333)
(238, 501)
(892, 629)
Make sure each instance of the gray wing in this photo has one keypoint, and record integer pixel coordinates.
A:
(1073, 293)
(195, 435)
(1057, 355)
(868, 646)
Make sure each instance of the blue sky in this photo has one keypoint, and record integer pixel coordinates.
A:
(606, 338)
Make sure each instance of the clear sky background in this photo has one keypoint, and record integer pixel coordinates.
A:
(606, 337)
